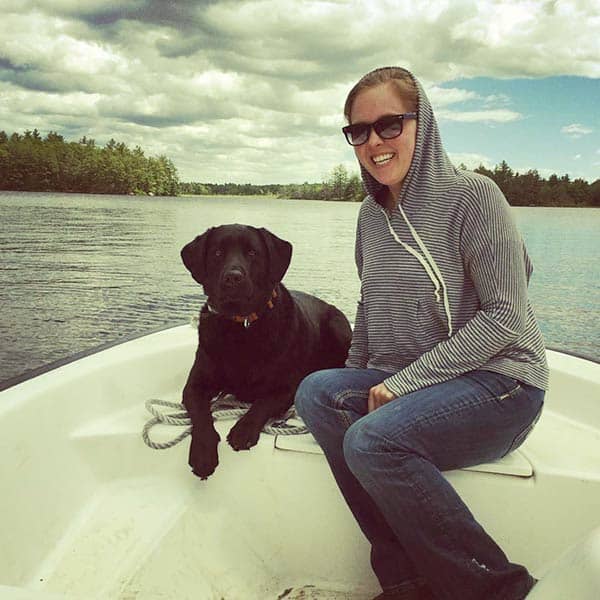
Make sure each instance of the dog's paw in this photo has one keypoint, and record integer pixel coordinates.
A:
(203, 457)
(243, 435)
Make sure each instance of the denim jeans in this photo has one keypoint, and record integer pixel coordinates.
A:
(388, 466)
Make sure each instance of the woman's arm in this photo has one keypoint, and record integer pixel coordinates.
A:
(358, 355)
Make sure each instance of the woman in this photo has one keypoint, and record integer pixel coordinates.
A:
(447, 365)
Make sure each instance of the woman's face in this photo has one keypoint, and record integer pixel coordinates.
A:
(387, 161)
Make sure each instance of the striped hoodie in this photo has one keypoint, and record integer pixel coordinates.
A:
(443, 276)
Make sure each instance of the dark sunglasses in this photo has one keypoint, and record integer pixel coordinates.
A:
(386, 128)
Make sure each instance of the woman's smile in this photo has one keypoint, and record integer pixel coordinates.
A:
(382, 159)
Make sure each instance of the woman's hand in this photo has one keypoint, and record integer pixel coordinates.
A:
(378, 396)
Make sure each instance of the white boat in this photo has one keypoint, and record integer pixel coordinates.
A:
(89, 511)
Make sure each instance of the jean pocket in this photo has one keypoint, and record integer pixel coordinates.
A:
(522, 436)
(499, 386)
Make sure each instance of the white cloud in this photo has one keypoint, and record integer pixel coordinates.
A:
(471, 160)
(253, 89)
(473, 116)
(45, 42)
(442, 96)
(576, 130)
(505, 19)
(533, 37)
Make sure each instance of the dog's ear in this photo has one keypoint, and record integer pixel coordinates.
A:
(280, 255)
(193, 256)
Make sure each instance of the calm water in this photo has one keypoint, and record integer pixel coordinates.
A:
(81, 270)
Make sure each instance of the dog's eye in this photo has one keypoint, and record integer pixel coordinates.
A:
(251, 252)
(218, 252)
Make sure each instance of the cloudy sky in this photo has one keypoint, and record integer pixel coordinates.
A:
(252, 90)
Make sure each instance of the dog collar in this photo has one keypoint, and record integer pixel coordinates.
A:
(249, 319)
(246, 320)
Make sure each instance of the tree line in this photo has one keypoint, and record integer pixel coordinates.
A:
(529, 189)
(520, 189)
(228, 189)
(29, 162)
(339, 185)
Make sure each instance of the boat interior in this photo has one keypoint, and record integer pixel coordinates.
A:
(89, 511)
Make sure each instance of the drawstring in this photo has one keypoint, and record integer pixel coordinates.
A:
(427, 262)
(423, 262)
(434, 266)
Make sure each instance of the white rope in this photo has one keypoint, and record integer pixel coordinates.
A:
(223, 407)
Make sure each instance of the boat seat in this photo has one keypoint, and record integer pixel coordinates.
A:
(515, 463)
(575, 574)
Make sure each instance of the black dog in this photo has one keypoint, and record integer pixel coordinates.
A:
(257, 340)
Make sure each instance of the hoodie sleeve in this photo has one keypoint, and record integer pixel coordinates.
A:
(358, 354)
(495, 260)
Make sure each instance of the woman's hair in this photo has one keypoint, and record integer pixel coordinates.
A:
(401, 78)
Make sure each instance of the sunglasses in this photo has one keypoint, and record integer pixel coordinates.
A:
(386, 128)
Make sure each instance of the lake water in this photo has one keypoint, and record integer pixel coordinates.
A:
(77, 271)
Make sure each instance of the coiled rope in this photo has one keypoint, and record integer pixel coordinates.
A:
(223, 406)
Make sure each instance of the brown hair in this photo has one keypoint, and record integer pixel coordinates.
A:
(401, 78)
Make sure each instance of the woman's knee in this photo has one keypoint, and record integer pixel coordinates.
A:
(363, 442)
(312, 392)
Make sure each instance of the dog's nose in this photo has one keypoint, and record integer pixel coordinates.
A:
(233, 277)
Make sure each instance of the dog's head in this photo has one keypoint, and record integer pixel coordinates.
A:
(238, 266)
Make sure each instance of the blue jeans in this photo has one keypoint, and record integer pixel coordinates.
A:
(388, 465)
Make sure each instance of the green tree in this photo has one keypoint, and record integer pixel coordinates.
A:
(337, 183)
(526, 189)
(355, 192)
(484, 171)
(595, 193)
(579, 191)
(28, 162)
(504, 178)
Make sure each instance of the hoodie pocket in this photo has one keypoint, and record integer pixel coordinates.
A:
(430, 319)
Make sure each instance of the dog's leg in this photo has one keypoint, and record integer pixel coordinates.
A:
(197, 396)
(245, 433)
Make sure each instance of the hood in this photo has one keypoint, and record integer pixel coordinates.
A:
(430, 171)
(430, 166)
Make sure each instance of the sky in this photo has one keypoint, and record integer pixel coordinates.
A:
(251, 91)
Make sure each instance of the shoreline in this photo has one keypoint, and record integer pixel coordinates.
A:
(269, 196)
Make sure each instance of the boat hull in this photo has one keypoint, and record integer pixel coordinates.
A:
(94, 513)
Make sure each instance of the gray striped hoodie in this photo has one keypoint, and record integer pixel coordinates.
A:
(444, 277)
